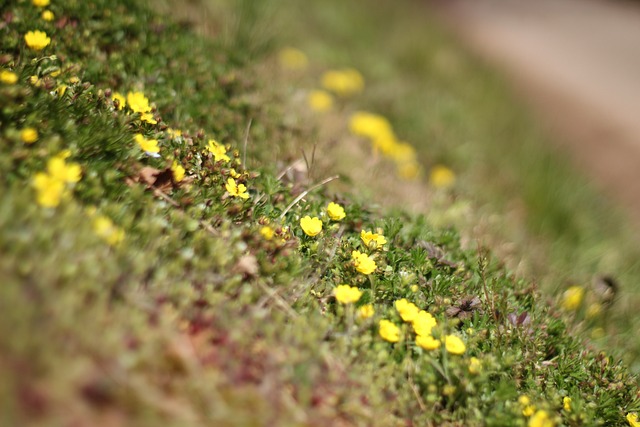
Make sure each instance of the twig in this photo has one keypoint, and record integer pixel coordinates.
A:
(304, 193)
(278, 299)
(246, 141)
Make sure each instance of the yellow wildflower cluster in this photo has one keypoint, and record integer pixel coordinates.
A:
(29, 135)
(218, 150)
(178, 171)
(346, 294)
(51, 186)
(8, 77)
(363, 263)
(235, 189)
(441, 177)
(632, 418)
(366, 311)
(107, 230)
(572, 298)
(311, 226)
(378, 130)
(149, 146)
(373, 240)
(388, 330)
(335, 211)
(37, 40)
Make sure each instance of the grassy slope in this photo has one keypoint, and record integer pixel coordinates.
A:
(195, 318)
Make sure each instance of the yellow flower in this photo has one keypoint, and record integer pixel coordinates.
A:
(566, 403)
(178, 171)
(74, 80)
(174, 133)
(423, 323)
(29, 135)
(236, 190)
(335, 211)
(409, 170)
(64, 172)
(105, 229)
(475, 366)
(138, 102)
(320, 101)
(541, 419)
(442, 177)
(388, 331)
(40, 3)
(414, 288)
(632, 418)
(311, 226)
(267, 232)
(454, 345)
(346, 294)
(369, 125)
(47, 15)
(148, 117)
(293, 59)
(344, 83)
(366, 311)
(50, 190)
(572, 298)
(8, 77)
(37, 40)
(524, 400)
(149, 146)
(408, 310)
(528, 410)
(594, 310)
(363, 262)
(427, 342)
(218, 150)
(372, 240)
(61, 90)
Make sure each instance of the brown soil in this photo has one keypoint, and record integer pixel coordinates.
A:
(578, 63)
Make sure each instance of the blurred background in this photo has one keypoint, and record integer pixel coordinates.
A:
(577, 62)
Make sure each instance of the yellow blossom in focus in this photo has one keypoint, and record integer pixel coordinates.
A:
(407, 310)
(320, 101)
(41, 3)
(47, 15)
(566, 403)
(117, 96)
(104, 228)
(138, 102)
(267, 232)
(49, 190)
(148, 117)
(363, 262)
(372, 240)
(147, 145)
(442, 177)
(8, 77)
(541, 419)
(428, 342)
(423, 323)
(572, 298)
(29, 135)
(236, 190)
(218, 150)
(178, 171)
(311, 226)
(37, 40)
(293, 59)
(346, 294)
(388, 331)
(454, 345)
(366, 311)
(335, 211)
(632, 418)
(344, 83)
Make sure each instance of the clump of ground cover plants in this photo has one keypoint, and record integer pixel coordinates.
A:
(150, 276)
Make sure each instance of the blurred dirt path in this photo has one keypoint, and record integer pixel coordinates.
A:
(578, 62)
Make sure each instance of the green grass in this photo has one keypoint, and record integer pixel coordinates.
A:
(196, 316)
